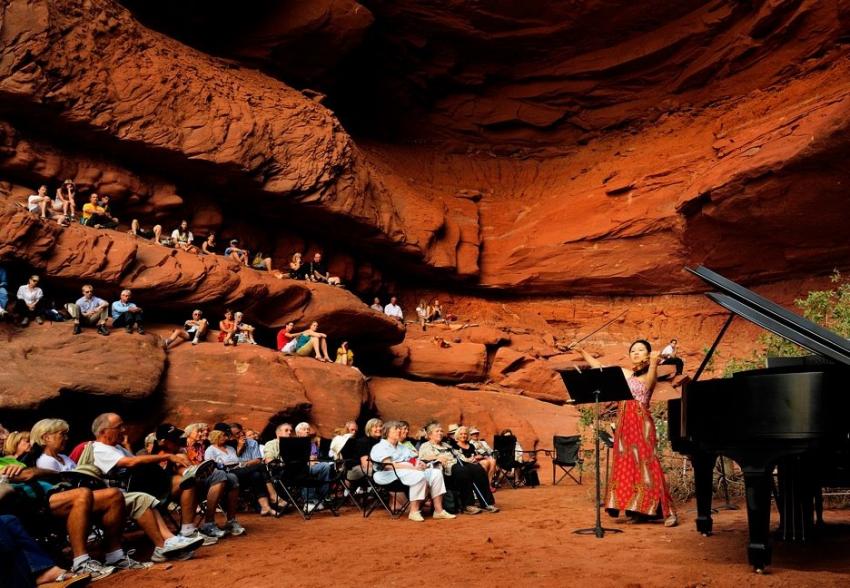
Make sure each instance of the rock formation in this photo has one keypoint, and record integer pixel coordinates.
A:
(540, 167)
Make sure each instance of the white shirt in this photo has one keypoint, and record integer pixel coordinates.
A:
(397, 454)
(29, 295)
(225, 456)
(393, 310)
(175, 235)
(668, 351)
(33, 201)
(106, 456)
(48, 462)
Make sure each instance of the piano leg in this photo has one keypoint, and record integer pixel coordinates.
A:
(703, 477)
(758, 480)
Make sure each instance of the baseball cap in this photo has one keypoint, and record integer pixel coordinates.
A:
(167, 431)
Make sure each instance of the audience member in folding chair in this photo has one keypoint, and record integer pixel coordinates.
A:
(290, 469)
(395, 462)
(566, 458)
(514, 465)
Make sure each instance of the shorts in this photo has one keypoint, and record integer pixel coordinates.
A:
(290, 347)
(305, 349)
(138, 502)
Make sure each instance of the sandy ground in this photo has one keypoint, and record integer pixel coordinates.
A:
(530, 543)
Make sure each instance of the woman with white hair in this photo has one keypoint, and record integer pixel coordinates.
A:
(52, 436)
(420, 478)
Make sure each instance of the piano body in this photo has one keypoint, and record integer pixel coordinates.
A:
(793, 416)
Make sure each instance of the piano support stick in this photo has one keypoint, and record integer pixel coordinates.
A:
(703, 476)
(758, 479)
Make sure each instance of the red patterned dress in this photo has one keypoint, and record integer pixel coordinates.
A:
(637, 481)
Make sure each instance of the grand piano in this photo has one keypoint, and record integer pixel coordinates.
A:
(792, 418)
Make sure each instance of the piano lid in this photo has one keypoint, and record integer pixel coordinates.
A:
(772, 317)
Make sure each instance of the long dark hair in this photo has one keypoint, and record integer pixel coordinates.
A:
(642, 370)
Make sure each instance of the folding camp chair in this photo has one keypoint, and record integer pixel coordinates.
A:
(382, 493)
(292, 478)
(508, 469)
(566, 457)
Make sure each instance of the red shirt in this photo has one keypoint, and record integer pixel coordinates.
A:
(283, 338)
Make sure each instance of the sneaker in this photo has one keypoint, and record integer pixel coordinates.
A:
(129, 329)
(212, 530)
(234, 528)
(182, 542)
(159, 555)
(39, 320)
(471, 510)
(3, 312)
(207, 539)
(443, 514)
(25, 321)
(77, 329)
(128, 563)
(195, 341)
(97, 570)
(671, 521)
(311, 506)
(416, 516)
(102, 330)
(140, 330)
(491, 508)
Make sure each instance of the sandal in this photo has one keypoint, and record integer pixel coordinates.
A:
(66, 579)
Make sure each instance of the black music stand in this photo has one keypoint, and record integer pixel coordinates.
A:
(597, 385)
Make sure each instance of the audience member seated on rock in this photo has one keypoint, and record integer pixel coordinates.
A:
(25, 563)
(263, 263)
(244, 331)
(307, 342)
(463, 440)
(394, 310)
(320, 470)
(30, 304)
(97, 216)
(17, 444)
(376, 305)
(344, 355)
(285, 336)
(209, 245)
(4, 292)
(297, 268)
(126, 314)
(111, 455)
(66, 200)
(419, 477)
(435, 312)
(227, 329)
(318, 272)
(112, 221)
(40, 203)
(154, 234)
(225, 456)
(89, 310)
(669, 356)
(462, 474)
(51, 436)
(194, 330)
(76, 508)
(182, 238)
(250, 456)
(422, 313)
(238, 255)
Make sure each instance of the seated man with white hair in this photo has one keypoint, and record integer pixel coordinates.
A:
(321, 470)
(419, 477)
(126, 314)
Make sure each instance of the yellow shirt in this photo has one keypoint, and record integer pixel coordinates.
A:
(89, 209)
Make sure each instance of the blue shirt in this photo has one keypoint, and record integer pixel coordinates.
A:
(251, 451)
(119, 308)
(87, 305)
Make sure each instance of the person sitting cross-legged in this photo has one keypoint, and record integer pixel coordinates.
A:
(236, 253)
(40, 203)
(89, 310)
(227, 329)
(194, 330)
(30, 302)
(318, 272)
(96, 215)
(183, 239)
(126, 314)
